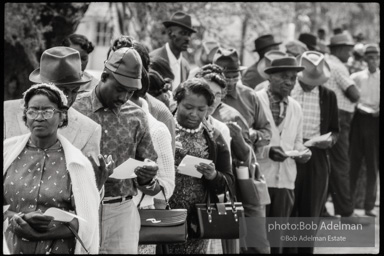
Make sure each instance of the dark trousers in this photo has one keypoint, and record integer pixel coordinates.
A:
(339, 184)
(282, 200)
(365, 144)
(311, 188)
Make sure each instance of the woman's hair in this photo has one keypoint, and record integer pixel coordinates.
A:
(54, 94)
(197, 86)
(80, 40)
(157, 84)
(128, 41)
(161, 65)
(213, 73)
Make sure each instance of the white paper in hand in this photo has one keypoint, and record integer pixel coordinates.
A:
(187, 165)
(126, 169)
(313, 141)
(5, 208)
(295, 153)
(60, 215)
(366, 109)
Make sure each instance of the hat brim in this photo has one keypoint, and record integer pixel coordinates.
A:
(169, 23)
(261, 67)
(331, 45)
(272, 70)
(35, 77)
(127, 82)
(313, 81)
(257, 50)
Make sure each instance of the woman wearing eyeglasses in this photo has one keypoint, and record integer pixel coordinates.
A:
(42, 169)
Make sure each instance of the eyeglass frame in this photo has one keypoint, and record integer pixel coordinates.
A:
(40, 111)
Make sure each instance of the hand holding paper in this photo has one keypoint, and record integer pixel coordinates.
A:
(312, 142)
(187, 165)
(126, 169)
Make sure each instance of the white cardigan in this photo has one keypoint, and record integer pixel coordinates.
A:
(281, 174)
(162, 142)
(83, 187)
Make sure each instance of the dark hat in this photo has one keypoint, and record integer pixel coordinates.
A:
(228, 60)
(371, 48)
(59, 65)
(309, 40)
(180, 19)
(283, 64)
(341, 40)
(126, 66)
(264, 42)
(267, 60)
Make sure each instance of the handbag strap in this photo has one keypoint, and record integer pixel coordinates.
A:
(74, 232)
(167, 207)
(227, 189)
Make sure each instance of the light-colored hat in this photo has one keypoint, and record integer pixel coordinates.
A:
(126, 66)
(341, 40)
(59, 65)
(317, 70)
(296, 47)
(267, 60)
(206, 52)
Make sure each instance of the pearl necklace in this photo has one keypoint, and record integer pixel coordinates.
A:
(192, 131)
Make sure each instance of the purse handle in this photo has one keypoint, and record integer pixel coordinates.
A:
(231, 198)
(167, 207)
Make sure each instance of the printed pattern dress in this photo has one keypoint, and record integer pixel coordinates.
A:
(37, 180)
(189, 190)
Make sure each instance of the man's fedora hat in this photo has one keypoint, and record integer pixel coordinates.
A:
(265, 41)
(59, 65)
(228, 60)
(267, 60)
(180, 19)
(371, 48)
(309, 40)
(126, 66)
(283, 64)
(341, 40)
(316, 71)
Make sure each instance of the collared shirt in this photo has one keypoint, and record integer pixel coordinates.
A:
(244, 100)
(175, 65)
(339, 82)
(310, 104)
(278, 107)
(369, 86)
(125, 134)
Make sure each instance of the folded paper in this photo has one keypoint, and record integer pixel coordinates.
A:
(187, 165)
(126, 169)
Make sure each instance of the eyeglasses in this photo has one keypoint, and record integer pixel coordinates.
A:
(48, 113)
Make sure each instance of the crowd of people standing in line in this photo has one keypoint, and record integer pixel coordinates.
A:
(63, 140)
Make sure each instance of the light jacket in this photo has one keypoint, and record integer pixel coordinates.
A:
(83, 187)
(282, 174)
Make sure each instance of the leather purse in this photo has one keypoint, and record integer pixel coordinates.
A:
(221, 220)
(162, 226)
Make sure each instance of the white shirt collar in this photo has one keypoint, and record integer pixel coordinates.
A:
(171, 56)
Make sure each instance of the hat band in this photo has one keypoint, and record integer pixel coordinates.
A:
(66, 80)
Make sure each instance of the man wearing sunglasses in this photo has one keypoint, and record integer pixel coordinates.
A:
(61, 66)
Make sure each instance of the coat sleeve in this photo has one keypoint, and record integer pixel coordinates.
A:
(223, 167)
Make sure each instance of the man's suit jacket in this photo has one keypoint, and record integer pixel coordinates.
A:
(162, 52)
(82, 132)
(252, 77)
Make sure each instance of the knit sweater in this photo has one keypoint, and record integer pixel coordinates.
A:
(83, 187)
(282, 174)
(161, 139)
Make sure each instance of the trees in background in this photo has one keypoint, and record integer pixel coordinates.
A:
(31, 28)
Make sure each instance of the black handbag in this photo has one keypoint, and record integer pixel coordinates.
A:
(162, 226)
(221, 220)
